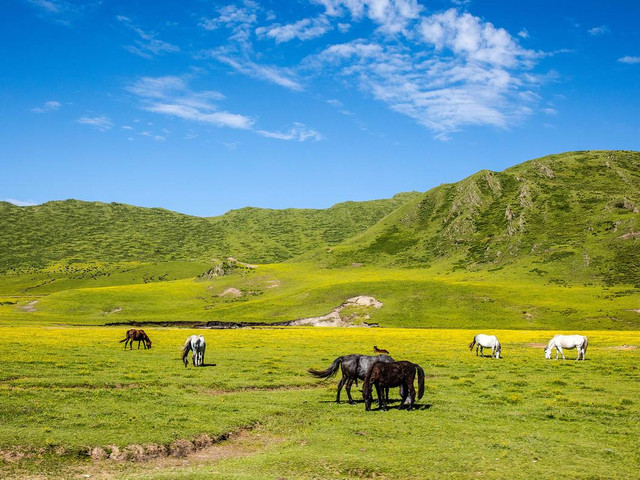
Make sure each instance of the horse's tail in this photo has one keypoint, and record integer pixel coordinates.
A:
(329, 372)
(420, 380)
(185, 351)
(584, 347)
(472, 343)
(124, 339)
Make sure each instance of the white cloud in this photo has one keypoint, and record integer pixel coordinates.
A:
(298, 132)
(305, 29)
(238, 53)
(392, 16)
(101, 122)
(629, 59)
(47, 107)
(146, 45)
(601, 30)
(473, 39)
(171, 96)
(62, 11)
(450, 70)
(20, 203)
(268, 73)
(523, 33)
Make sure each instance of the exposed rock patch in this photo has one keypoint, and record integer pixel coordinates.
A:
(335, 319)
(231, 292)
(29, 307)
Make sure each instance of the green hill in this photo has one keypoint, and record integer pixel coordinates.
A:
(73, 231)
(551, 243)
(569, 217)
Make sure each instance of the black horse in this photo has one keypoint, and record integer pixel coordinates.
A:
(388, 375)
(354, 367)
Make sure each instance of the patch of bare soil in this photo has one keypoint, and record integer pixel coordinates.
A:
(29, 307)
(623, 347)
(231, 292)
(536, 345)
(203, 450)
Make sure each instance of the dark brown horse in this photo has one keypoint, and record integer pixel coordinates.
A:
(136, 335)
(379, 351)
(389, 375)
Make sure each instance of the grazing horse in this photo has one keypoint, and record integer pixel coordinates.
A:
(395, 374)
(379, 351)
(136, 335)
(578, 342)
(197, 345)
(354, 367)
(486, 341)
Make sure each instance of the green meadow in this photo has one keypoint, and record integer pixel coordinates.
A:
(284, 292)
(65, 391)
(548, 246)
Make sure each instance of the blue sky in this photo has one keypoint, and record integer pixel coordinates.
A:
(205, 106)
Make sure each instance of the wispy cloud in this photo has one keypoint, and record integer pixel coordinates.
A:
(62, 11)
(452, 70)
(47, 107)
(172, 96)
(392, 16)
(629, 59)
(298, 132)
(597, 31)
(238, 53)
(20, 203)
(269, 73)
(305, 29)
(446, 70)
(100, 122)
(147, 45)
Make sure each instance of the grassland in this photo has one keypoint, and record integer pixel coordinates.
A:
(64, 390)
(283, 292)
(548, 246)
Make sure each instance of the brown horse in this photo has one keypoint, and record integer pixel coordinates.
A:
(388, 375)
(133, 335)
(378, 351)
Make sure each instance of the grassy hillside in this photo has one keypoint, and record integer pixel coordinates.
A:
(565, 218)
(72, 231)
(551, 243)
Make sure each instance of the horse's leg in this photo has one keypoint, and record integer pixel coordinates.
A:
(477, 348)
(347, 387)
(380, 391)
(340, 384)
(561, 353)
(404, 392)
(412, 395)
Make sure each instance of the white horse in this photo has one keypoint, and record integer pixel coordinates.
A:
(486, 341)
(579, 342)
(197, 345)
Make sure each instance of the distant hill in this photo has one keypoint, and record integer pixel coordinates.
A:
(566, 217)
(74, 231)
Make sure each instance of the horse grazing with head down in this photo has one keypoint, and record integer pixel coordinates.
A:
(136, 335)
(389, 375)
(559, 342)
(482, 341)
(197, 345)
(354, 367)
